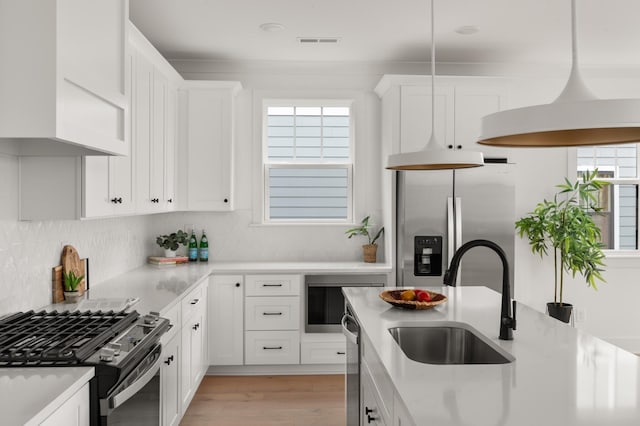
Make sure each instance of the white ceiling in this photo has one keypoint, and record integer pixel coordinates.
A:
(510, 31)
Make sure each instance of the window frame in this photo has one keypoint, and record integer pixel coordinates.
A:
(320, 164)
(572, 165)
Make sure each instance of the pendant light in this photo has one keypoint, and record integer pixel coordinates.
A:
(575, 118)
(434, 156)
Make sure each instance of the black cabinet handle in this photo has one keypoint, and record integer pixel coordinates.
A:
(194, 301)
(170, 200)
(226, 200)
(272, 313)
(155, 200)
(117, 200)
(196, 326)
(268, 348)
(237, 284)
(271, 285)
(169, 359)
(368, 410)
(340, 353)
(371, 419)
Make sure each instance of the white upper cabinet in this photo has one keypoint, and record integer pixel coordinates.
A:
(65, 91)
(207, 139)
(460, 104)
(154, 117)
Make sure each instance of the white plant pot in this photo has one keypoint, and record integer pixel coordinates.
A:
(72, 296)
(169, 253)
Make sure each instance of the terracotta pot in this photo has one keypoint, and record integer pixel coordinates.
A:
(370, 252)
(561, 312)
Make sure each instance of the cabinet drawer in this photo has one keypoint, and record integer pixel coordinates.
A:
(272, 313)
(192, 302)
(323, 352)
(173, 315)
(273, 285)
(272, 347)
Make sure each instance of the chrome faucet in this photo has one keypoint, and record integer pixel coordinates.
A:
(507, 322)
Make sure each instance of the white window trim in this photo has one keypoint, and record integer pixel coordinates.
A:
(572, 169)
(262, 217)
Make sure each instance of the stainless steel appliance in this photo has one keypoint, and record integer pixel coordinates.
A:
(351, 330)
(123, 347)
(438, 211)
(324, 302)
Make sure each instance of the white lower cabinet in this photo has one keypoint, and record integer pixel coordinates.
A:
(73, 412)
(323, 352)
(169, 381)
(194, 362)
(272, 347)
(226, 316)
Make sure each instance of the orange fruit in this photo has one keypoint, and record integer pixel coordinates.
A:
(408, 295)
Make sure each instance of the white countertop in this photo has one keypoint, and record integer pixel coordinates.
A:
(30, 395)
(560, 376)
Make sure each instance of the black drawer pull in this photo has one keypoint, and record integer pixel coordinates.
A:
(169, 359)
(271, 285)
(271, 348)
(194, 301)
(272, 313)
(196, 326)
(340, 353)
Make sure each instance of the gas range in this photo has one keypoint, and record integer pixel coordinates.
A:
(123, 347)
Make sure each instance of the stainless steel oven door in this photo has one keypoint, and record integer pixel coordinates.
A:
(136, 401)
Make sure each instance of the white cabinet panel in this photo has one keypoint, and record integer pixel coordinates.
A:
(226, 320)
(415, 119)
(170, 382)
(208, 128)
(323, 352)
(272, 313)
(272, 347)
(273, 285)
(73, 412)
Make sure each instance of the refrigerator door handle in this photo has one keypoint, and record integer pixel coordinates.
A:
(451, 248)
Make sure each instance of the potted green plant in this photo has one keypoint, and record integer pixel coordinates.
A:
(170, 243)
(71, 282)
(369, 250)
(565, 228)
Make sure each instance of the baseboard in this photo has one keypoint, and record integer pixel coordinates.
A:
(274, 370)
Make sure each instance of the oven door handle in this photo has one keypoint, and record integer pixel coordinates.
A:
(352, 337)
(117, 400)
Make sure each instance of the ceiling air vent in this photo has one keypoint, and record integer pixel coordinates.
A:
(318, 40)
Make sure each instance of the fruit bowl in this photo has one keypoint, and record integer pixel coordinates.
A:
(393, 297)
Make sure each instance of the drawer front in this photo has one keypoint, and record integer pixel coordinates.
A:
(323, 352)
(272, 313)
(272, 347)
(273, 285)
(192, 302)
(174, 317)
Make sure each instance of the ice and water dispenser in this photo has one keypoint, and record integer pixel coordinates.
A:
(427, 256)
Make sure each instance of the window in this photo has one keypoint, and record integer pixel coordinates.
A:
(617, 164)
(308, 162)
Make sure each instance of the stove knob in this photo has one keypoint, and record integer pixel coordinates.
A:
(115, 347)
(151, 318)
(106, 354)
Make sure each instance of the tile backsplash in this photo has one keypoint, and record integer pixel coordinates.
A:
(28, 251)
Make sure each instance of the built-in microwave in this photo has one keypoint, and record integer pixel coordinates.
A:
(324, 302)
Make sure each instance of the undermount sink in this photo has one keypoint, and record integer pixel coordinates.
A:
(447, 344)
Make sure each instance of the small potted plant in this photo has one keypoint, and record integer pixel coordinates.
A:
(565, 227)
(71, 282)
(170, 243)
(369, 250)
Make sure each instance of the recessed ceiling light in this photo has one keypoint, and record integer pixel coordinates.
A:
(467, 29)
(271, 27)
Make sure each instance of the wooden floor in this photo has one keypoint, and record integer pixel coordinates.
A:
(268, 400)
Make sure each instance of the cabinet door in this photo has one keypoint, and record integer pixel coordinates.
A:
(226, 334)
(158, 139)
(142, 131)
(169, 382)
(170, 158)
(370, 412)
(96, 202)
(194, 360)
(209, 152)
(415, 119)
(471, 104)
(73, 412)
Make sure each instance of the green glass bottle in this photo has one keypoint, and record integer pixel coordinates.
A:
(193, 247)
(204, 248)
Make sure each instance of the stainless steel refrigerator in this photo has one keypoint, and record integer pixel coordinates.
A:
(437, 211)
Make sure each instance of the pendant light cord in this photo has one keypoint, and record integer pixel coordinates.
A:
(433, 73)
(574, 35)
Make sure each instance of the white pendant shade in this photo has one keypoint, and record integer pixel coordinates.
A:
(434, 156)
(575, 118)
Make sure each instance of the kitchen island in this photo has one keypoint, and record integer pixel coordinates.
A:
(560, 375)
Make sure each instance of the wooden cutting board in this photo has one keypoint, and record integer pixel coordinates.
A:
(70, 261)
